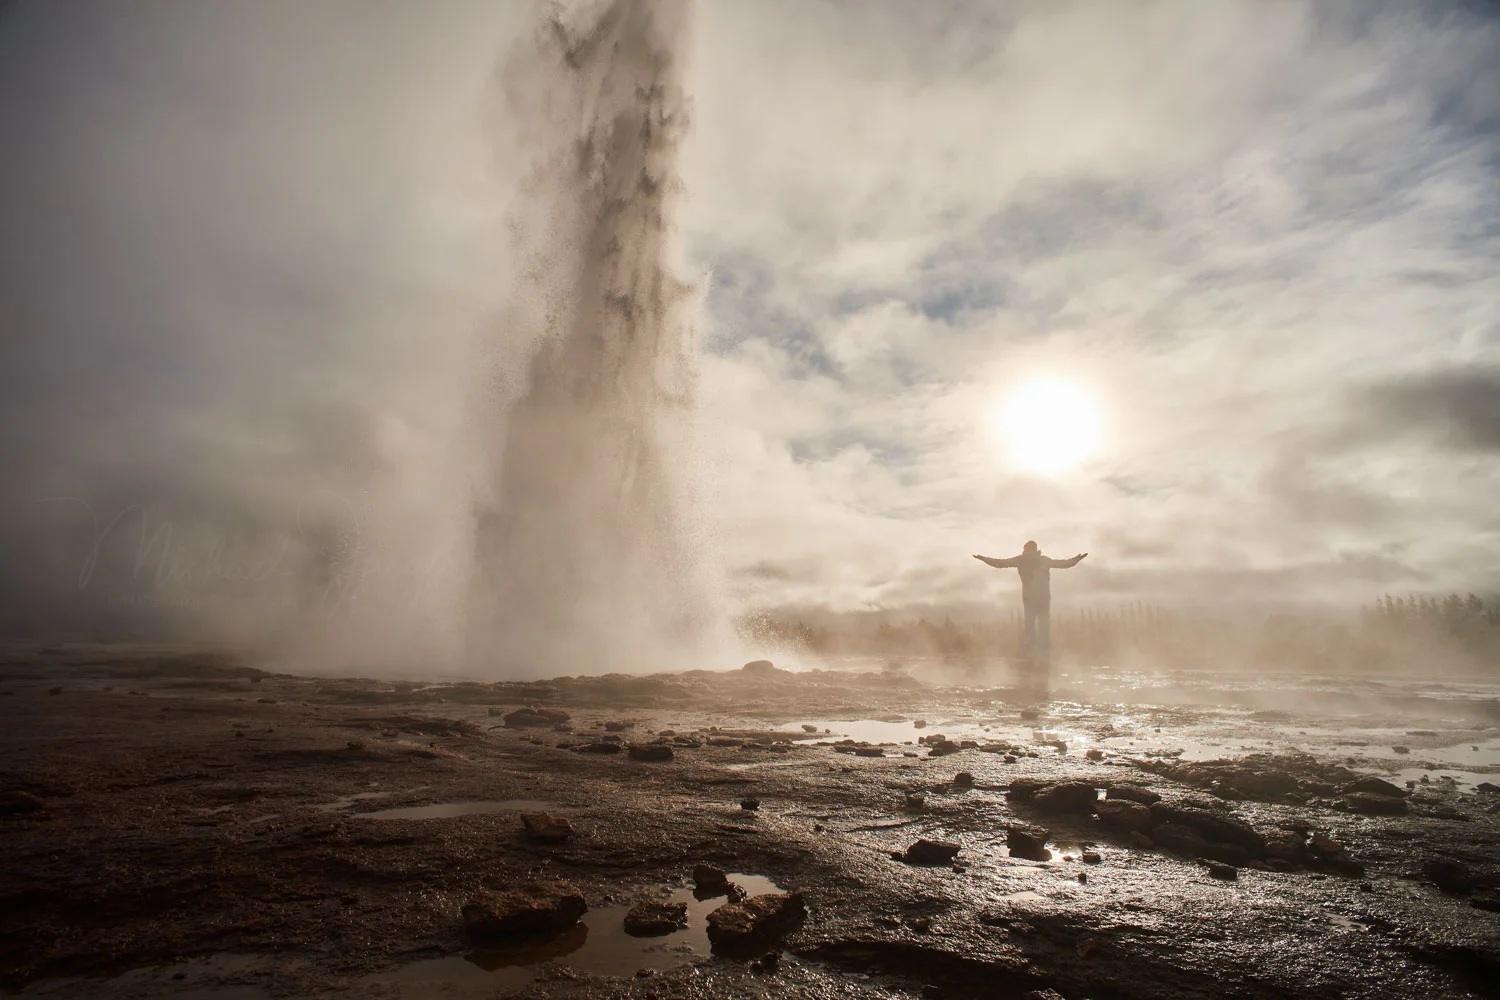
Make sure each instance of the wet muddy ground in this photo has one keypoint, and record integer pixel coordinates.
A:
(178, 825)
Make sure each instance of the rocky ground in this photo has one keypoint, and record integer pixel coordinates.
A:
(180, 825)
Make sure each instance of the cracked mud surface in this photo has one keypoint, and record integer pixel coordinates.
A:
(178, 825)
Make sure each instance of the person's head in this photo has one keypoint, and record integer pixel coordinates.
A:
(1029, 547)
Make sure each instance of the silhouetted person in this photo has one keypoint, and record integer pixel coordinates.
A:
(1036, 592)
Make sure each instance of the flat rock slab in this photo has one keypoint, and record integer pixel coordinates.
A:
(546, 827)
(651, 751)
(533, 908)
(1375, 804)
(650, 918)
(1123, 814)
(755, 922)
(598, 748)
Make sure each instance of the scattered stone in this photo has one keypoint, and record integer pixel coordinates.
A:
(650, 918)
(616, 727)
(1401, 749)
(915, 801)
(1092, 857)
(534, 718)
(931, 852)
(1028, 842)
(1030, 715)
(1123, 814)
(600, 747)
(1094, 754)
(1371, 804)
(869, 751)
(963, 779)
(919, 724)
(709, 877)
(809, 729)
(1378, 786)
(1449, 875)
(531, 908)
(942, 748)
(546, 827)
(1023, 789)
(1220, 870)
(1487, 787)
(750, 803)
(724, 741)
(1285, 847)
(650, 751)
(755, 921)
(1132, 793)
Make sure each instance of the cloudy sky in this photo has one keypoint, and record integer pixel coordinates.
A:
(246, 245)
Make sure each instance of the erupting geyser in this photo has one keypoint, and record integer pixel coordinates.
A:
(588, 546)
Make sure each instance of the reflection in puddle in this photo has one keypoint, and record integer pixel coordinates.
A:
(345, 801)
(448, 810)
(597, 944)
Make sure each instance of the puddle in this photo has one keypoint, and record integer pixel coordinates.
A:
(597, 944)
(448, 810)
(345, 801)
(198, 980)
(875, 731)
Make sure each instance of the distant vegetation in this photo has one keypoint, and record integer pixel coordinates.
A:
(1394, 635)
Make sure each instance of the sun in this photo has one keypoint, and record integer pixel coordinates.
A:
(1050, 425)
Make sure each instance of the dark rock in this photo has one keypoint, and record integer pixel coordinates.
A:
(1488, 901)
(1132, 793)
(1094, 754)
(914, 801)
(613, 738)
(1123, 814)
(616, 727)
(1447, 874)
(650, 751)
(809, 729)
(919, 724)
(18, 802)
(55, 690)
(535, 907)
(1092, 857)
(535, 718)
(968, 744)
(709, 877)
(1220, 870)
(1325, 846)
(1023, 789)
(725, 741)
(869, 751)
(649, 918)
(756, 921)
(1399, 749)
(963, 779)
(1141, 840)
(942, 748)
(1487, 787)
(1285, 847)
(1028, 842)
(546, 827)
(762, 668)
(931, 852)
(1212, 825)
(750, 803)
(1371, 804)
(600, 747)
(1181, 839)
(1030, 715)
(1229, 854)
(1067, 796)
(1378, 786)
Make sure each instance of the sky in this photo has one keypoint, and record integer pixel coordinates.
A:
(249, 247)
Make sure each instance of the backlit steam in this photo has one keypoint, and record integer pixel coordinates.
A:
(588, 554)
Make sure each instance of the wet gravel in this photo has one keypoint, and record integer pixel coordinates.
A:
(179, 825)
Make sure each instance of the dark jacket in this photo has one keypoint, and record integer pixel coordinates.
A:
(1036, 573)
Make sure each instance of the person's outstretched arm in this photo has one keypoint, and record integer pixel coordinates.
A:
(1010, 563)
(1066, 563)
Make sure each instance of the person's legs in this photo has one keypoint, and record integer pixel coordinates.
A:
(1029, 613)
(1044, 629)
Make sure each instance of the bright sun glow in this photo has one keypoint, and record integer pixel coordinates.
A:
(1051, 425)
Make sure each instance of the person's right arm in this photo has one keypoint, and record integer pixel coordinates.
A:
(1010, 563)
